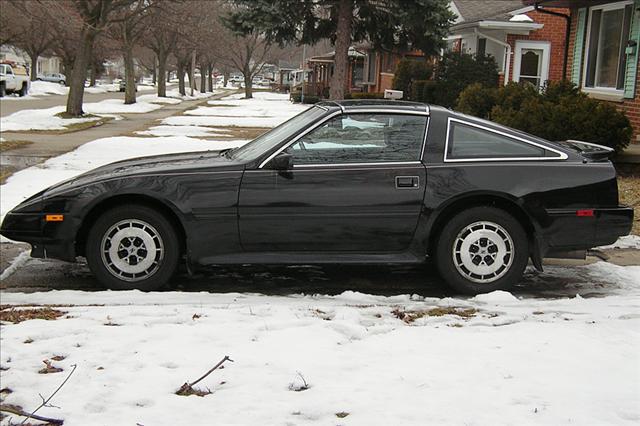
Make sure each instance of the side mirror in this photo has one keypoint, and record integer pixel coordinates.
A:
(282, 161)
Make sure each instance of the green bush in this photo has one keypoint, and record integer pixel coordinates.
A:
(308, 99)
(477, 100)
(408, 71)
(558, 112)
(367, 95)
(426, 91)
(456, 71)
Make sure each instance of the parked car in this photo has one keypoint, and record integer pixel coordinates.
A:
(359, 181)
(13, 79)
(53, 78)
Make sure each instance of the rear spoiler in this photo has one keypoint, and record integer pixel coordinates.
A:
(590, 150)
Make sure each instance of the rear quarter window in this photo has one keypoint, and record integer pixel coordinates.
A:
(470, 142)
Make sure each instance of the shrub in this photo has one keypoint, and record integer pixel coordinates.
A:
(366, 95)
(559, 112)
(456, 71)
(410, 70)
(308, 99)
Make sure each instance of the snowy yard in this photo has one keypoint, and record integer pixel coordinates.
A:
(571, 356)
(406, 359)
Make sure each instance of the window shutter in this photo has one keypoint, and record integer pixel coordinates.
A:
(632, 60)
(578, 46)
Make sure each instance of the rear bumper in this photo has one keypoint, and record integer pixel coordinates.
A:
(580, 229)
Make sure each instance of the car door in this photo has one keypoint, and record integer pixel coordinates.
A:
(357, 184)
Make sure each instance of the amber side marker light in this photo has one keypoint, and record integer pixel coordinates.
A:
(54, 218)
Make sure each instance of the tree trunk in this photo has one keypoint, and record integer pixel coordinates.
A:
(210, 77)
(203, 78)
(162, 71)
(225, 78)
(248, 89)
(181, 87)
(34, 66)
(343, 40)
(67, 67)
(129, 76)
(92, 76)
(155, 71)
(76, 88)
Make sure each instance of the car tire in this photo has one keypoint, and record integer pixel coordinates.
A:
(482, 249)
(3, 91)
(23, 91)
(133, 247)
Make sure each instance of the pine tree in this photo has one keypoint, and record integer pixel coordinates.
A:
(386, 24)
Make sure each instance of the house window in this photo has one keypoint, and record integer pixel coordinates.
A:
(606, 42)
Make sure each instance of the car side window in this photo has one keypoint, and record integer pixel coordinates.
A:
(362, 138)
(469, 142)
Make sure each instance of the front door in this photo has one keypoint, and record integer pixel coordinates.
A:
(357, 185)
(531, 63)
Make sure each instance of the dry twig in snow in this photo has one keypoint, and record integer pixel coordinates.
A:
(187, 388)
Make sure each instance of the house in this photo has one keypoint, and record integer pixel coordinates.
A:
(46, 64)
(602, 52)
(528, 44)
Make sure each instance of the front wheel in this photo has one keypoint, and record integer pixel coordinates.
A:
(482, 249)
(133, 247)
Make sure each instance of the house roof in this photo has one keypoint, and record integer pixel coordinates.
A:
(566, 3)
(491, 10)
(329, 57)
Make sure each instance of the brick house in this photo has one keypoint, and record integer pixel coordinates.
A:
(527, 44)
(602, 52)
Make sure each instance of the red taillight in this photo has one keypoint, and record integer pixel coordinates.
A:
(584, 213)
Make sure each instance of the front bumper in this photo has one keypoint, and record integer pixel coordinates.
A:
(48, 239)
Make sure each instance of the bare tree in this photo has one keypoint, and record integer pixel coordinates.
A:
(247, 54)
(33, 35)
(161, 37)
(127, 31)
(95, 16)
(10, 15)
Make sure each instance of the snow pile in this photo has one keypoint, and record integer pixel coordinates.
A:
(300, 359)
(43, 88)
(39, 119)
(266, 109)
(158, 100)
(197, 131)
(117, 106)
(627, 242)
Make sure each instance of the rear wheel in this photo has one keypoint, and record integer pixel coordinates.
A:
(133, 247)
(23, 90)
(482, 249)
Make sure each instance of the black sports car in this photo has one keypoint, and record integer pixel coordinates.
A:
(342, 182)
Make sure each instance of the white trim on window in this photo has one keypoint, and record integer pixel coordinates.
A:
(545, 46)
(561, 155)
(585, 62)
(425, 113)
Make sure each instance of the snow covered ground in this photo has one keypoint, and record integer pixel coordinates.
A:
(489, 360)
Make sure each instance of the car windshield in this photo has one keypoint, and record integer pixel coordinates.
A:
(273, 137)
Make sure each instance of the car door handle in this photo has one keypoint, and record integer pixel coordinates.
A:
(407, 182)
